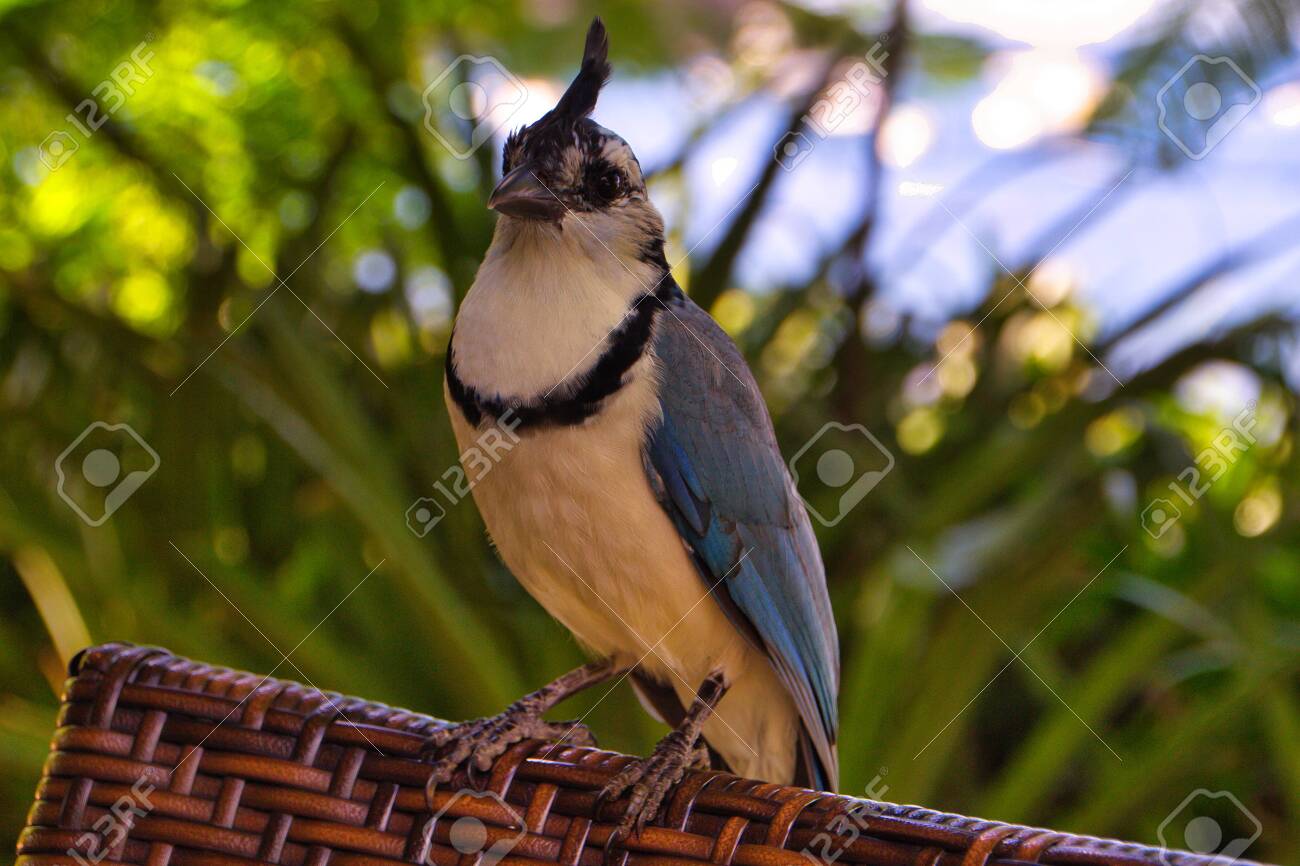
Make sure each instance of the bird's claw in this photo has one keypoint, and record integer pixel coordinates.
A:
(649, 781)
(476, 744)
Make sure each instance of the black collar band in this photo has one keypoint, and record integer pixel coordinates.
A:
(581, 395)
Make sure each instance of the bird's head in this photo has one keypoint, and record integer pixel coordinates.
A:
(567, 167)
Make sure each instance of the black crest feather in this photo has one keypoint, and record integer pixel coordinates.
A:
(580, 99)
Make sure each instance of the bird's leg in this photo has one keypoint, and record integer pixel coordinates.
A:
(479, 742)
(649, 779)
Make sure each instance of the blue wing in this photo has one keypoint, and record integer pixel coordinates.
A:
(715, 465)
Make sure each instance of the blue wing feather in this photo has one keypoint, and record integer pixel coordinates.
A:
(716, 467)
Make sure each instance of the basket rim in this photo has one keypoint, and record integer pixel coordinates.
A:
(117, 689)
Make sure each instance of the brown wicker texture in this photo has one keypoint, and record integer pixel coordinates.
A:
(230, 769)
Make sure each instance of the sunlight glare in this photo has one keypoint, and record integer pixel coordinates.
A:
(1057, 23)
(1039, 92)
(906, 136)
(722, 168)
(1283, 104)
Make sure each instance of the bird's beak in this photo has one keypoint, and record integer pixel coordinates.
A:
(521, 194)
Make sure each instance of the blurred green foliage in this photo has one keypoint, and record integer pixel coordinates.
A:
(296, 424)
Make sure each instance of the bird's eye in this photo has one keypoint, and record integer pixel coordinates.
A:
(609, 185)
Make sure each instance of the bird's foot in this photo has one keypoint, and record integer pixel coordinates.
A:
(649, 781)
(474, 745)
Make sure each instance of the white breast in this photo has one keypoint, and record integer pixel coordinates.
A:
(542, 306)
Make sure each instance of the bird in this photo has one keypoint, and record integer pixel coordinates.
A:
(643, 499)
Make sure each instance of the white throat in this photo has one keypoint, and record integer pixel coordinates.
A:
(543, 305)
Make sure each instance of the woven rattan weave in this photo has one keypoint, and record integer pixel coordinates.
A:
(163, 761)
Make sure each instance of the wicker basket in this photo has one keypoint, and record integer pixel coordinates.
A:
(163, 761)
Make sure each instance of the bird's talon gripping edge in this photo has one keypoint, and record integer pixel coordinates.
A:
(649, 780)
(475, 745)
